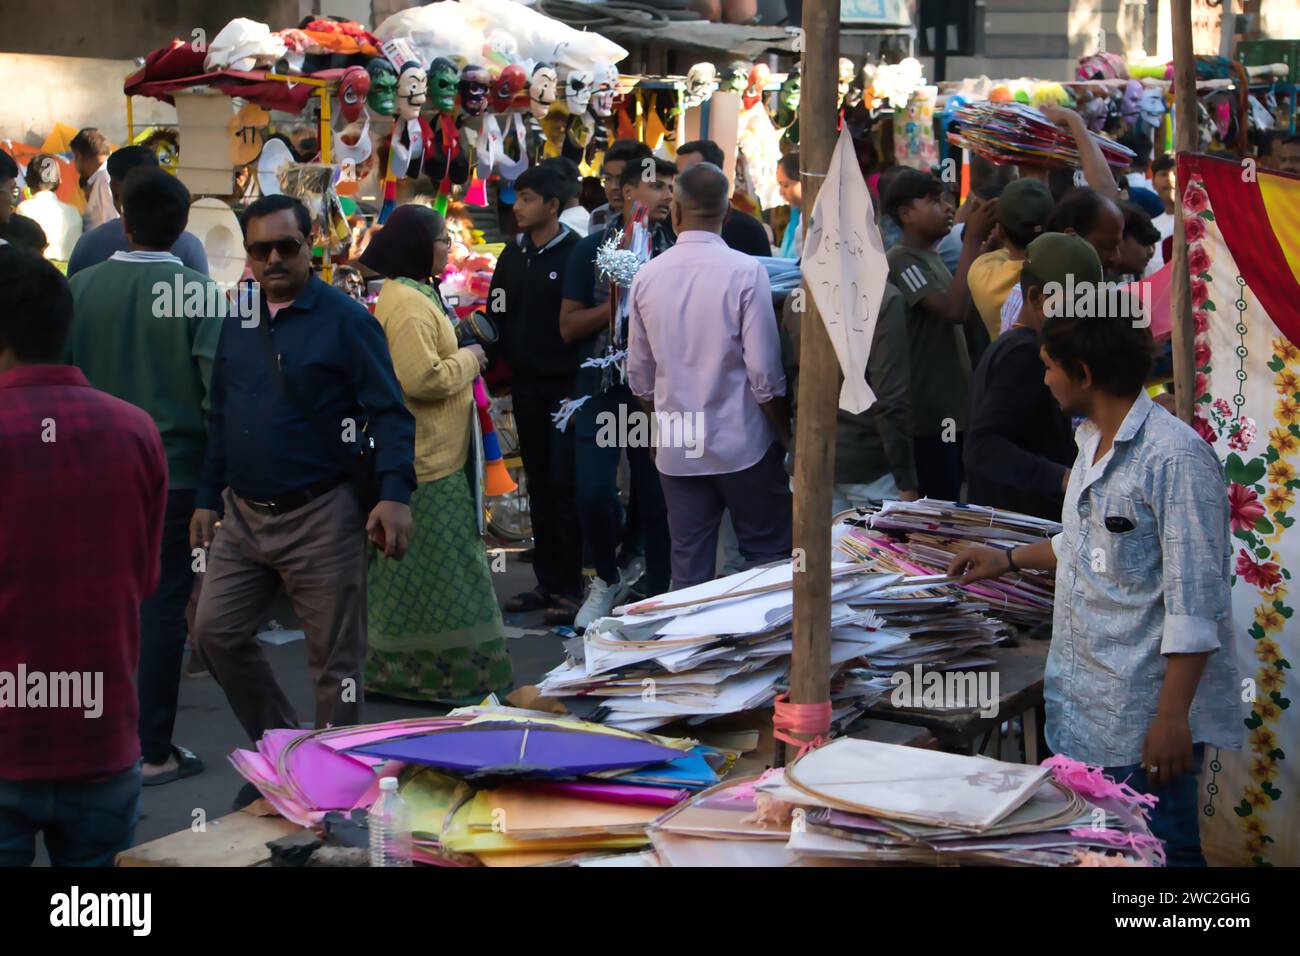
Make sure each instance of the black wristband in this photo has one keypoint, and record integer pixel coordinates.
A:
(1011, 562)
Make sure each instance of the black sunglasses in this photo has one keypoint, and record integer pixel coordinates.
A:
(288, 247)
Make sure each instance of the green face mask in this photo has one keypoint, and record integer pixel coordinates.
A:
(787, 108)
(383, 87)
(736, 78)
(443, 77)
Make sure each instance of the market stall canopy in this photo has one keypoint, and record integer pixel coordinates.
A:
(170, 69)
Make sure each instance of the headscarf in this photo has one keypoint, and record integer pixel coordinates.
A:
(403, 248)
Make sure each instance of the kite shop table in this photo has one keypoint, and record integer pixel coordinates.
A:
(237, 839)
(1020, 670)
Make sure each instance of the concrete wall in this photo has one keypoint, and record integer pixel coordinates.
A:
(78, 91)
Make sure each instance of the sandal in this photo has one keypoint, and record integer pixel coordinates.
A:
(188, 764)
(562, 610)
(534, 600)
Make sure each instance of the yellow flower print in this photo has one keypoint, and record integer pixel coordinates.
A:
(1268, 651)
(1255, 847)
(1286, 382)
(1287, 411)
(1255, 796)
(1269, 680)
(1283, 441)
(1266, 708)
(1280, 472)
(1263, 740)
(1285, 350)
(1263, 768)
(1252, 826)
(1268, 619)
(1279, 498)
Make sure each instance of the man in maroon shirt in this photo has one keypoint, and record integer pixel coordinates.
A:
(82, 495)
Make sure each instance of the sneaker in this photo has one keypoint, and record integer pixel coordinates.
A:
(601, 599)
(633, 568)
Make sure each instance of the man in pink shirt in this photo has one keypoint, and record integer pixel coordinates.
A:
(704, 357)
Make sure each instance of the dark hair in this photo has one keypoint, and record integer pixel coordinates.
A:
(1117, 353)
(128, 158)
(91, 142)
(706, 148)
(1141, 146)
(991, 189)
(622, 150)
(278, 202)
(907, 186)
(1162, 163)
(38, 306)
(155, 207)
(547, 181)
(403, 246)
(790, 165)
(26, 232)
(572, 175)
(1138, 224)
(704, 188)
(1021, 234)
(1079, 209)
(635, 171)
(1060, 182)
(43, 173)
(8, 168)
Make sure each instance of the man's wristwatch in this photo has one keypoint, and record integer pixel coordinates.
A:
(1011, 562)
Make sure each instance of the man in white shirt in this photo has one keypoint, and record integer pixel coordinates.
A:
(60, 222)
(90, 149)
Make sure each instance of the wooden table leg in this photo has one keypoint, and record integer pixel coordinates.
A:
(1029, 719)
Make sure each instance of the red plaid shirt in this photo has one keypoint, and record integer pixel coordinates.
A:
(83, 488)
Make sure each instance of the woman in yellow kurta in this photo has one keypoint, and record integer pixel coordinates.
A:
(435, 629)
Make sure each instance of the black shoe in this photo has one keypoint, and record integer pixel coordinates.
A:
(247, 794)
(527, 555)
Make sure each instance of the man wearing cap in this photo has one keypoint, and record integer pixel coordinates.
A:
(1019, 444)
(1022, 216)
(1141, 673)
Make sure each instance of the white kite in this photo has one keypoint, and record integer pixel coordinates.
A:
(845, 266)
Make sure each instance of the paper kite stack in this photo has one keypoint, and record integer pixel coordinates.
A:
(1013, 133)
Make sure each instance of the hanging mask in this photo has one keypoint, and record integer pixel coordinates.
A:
(442, 85)
(412, 90)
(501, 47)
(1152, 107)
(699, 84)
(541, 89)
(847, 70)
(353, 87)
(1094, 112)
(1129, 106)
(735, 77)
(1204, 125)
(582, 127)
(382, 97)
(758, 77)
(473, 88)
(604, 76)
(578, 86)
(507, 86)
(787, 100)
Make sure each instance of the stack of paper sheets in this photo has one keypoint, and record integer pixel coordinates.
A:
(1015, 133)
(717, 648)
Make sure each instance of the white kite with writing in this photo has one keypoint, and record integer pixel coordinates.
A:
(845, 266)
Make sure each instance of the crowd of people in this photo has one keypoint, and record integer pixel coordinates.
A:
(179, 446)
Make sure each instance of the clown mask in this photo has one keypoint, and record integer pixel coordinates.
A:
(605, 79)
(412, 90)
(353, 87)
(699, 84)
(507, 86)
(541, 89)
(442, 85)
(578, 86)
(382, 97)
(787, 100)
(474, 83)
(758, 77)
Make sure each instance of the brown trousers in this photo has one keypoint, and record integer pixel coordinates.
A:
(318, 551)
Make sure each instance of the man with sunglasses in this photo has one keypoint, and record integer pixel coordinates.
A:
(299, 389)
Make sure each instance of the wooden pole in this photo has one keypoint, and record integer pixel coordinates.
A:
(1185, 141)
(819, 378)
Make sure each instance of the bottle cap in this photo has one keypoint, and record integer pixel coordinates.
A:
(388, 784)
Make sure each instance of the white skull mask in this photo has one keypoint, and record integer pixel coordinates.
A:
(699, 84)
(605, 77)
(541, 90)
(578, 86)
(412, 87)
(1152, 106)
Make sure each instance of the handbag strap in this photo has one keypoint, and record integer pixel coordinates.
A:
(353, 463)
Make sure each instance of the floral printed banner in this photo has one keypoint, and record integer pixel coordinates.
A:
(1243, 232)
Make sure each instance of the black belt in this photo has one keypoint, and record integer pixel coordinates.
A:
(293, 500)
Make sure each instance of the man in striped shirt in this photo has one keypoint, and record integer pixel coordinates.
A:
(938, 309)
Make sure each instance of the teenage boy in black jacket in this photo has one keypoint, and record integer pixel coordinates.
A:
(527, 287)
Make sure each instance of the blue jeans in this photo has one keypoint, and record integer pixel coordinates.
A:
(1175, 819)
(85, 824)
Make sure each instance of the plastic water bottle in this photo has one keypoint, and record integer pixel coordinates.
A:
(390, 828)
